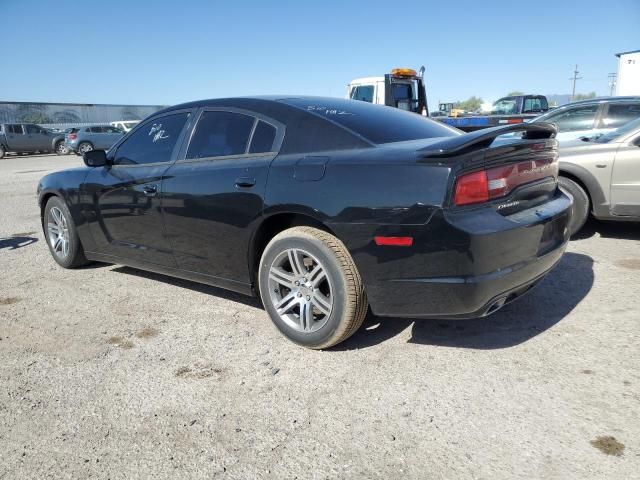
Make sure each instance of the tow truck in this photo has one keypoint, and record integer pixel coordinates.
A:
(505, 111)
(403, 88)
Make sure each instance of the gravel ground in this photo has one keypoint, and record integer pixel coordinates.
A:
(111, 372)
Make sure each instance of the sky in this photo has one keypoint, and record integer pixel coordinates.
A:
(167, 52)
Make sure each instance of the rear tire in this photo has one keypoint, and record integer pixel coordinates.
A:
(61, 235)
(580, 209)
(1, 151)
(311, 287)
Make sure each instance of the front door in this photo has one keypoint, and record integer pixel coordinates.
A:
(37, 138)
(213, 194)
(123, 200)
(625, 180)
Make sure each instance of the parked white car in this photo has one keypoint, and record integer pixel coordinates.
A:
(125, 125)
(588, 118)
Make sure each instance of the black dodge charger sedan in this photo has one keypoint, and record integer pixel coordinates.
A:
(321, 206)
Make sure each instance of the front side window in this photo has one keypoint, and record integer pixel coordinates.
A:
(153, 142)
(621, 113)
(363, 93)
(574, 119)
(112, 130)
(219, 134)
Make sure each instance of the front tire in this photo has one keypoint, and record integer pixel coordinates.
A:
(61, 235)
(311, 287)
(580, 209)
(61, 148)
(2, 152)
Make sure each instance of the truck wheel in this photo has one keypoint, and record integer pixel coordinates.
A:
(61, 235)
(311, 288)
(1, 151)
(61, 148)
(580, 209)
(84, 147)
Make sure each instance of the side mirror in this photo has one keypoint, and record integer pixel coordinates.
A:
(95, 158)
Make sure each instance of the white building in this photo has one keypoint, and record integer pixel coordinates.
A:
(628, 81)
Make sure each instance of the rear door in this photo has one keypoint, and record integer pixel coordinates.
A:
(625, 180)
(123, 200)
(215, 192)
(16, 138)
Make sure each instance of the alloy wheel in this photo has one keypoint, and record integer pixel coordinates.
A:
(58, 232)
(300, 290)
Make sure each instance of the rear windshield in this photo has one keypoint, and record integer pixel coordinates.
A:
(376, 123)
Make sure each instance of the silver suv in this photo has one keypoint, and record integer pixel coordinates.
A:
(100, 137)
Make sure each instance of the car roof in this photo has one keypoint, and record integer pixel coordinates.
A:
(603, 100)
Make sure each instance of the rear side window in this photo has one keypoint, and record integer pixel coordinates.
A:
(376, 123)
(153, 142)
(15, 129)
(363, 93)
(533, 105)
(219, 134)
(34, 129)
(574, 119)
(621, 113)
(263, 138)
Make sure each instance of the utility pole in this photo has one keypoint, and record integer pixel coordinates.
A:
(613, 77)
(574, 78)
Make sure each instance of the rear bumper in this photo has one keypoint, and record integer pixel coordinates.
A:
(463, 264)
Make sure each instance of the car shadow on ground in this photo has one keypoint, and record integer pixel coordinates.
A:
(621, 230)
(547, 304)
(17, 241)
(540, 309)
(196, 287)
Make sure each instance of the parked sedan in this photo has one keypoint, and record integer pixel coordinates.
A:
(84, 139)
(603, 176)
(321, 206)
(588, 118)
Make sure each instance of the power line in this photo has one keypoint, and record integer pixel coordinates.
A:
(574, 78)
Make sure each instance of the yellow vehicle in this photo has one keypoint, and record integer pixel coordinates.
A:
(450, 111)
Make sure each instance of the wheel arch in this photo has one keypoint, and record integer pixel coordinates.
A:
(269, 227)
(597, 197)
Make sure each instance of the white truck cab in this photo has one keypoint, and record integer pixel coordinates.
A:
(403, 88)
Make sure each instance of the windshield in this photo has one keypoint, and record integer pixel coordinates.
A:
(505, 106)
(619, 132)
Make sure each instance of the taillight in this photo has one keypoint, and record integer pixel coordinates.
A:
(499, 181)
(472, 188)
(72, 136)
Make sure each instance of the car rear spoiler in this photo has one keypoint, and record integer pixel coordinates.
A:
(480, 139)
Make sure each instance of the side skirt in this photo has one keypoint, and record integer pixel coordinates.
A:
(227, 284)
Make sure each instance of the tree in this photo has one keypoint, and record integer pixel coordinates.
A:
(471, 104)
(514, 93)
(583, 96)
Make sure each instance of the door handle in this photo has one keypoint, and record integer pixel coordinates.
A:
(600, 165)
(150, 190)
(245, 182)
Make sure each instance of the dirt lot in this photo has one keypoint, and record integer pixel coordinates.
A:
(110, 372)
